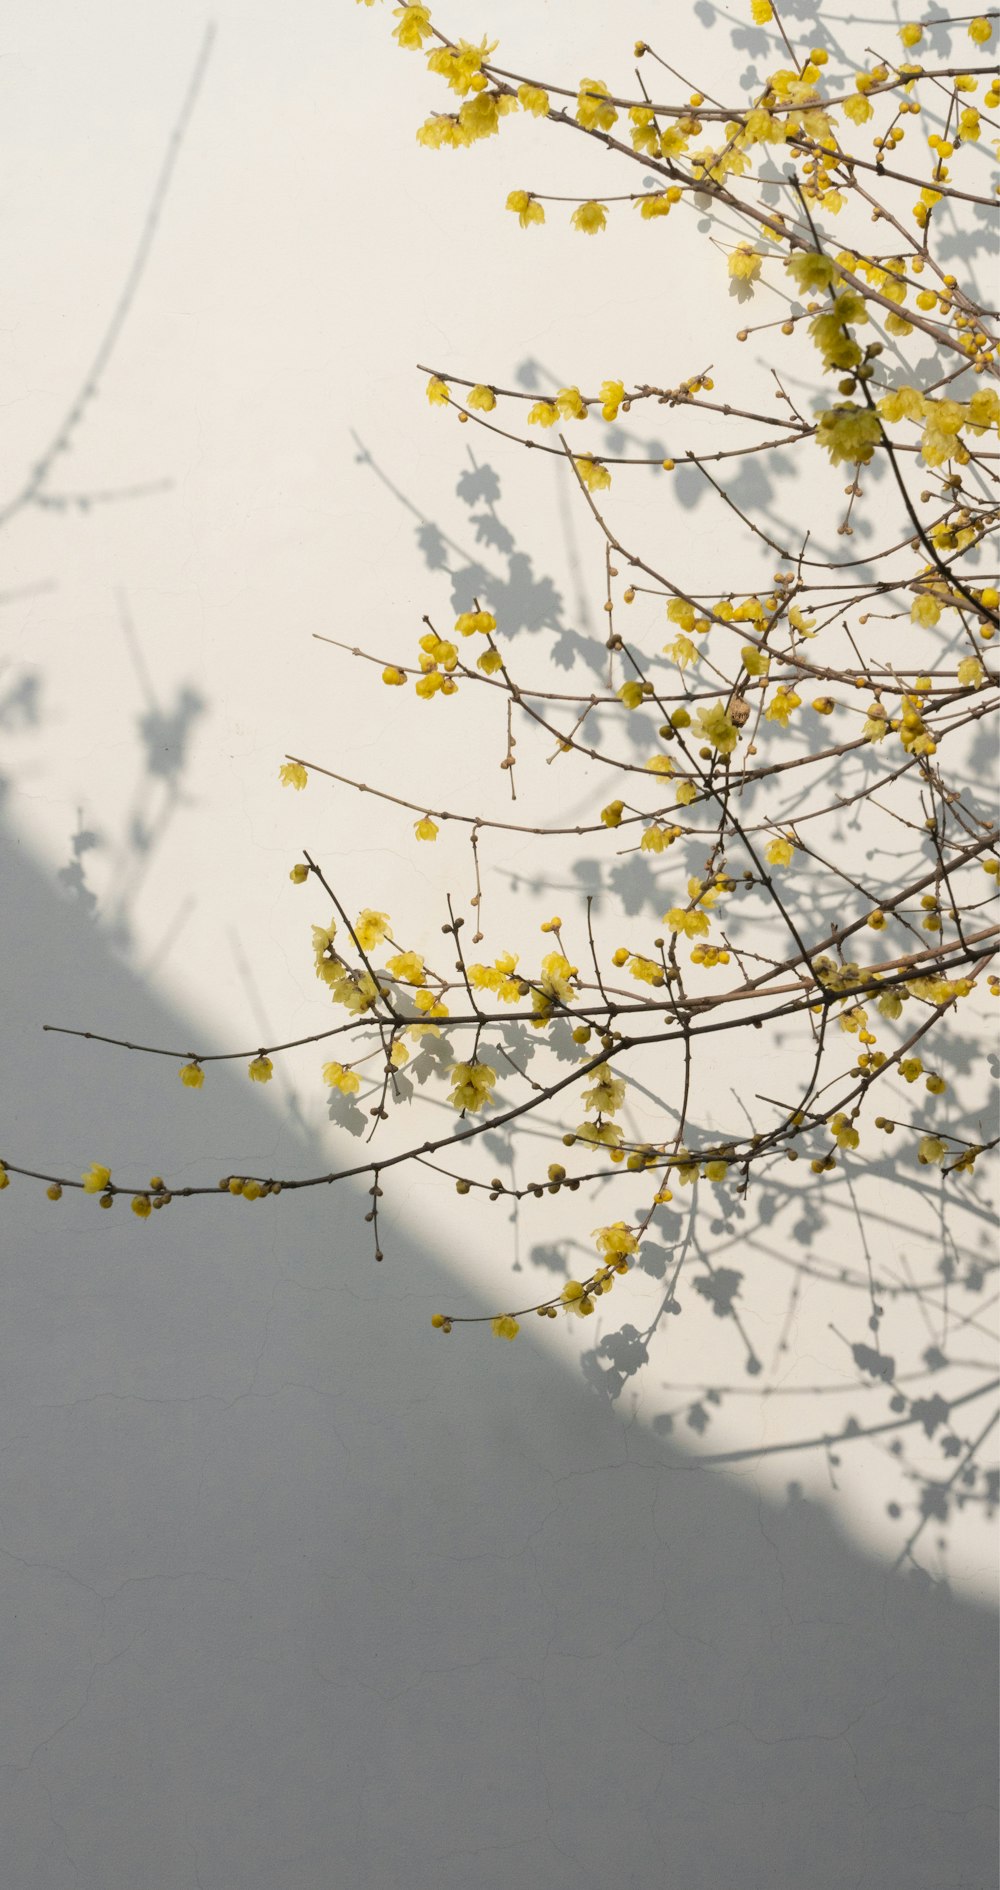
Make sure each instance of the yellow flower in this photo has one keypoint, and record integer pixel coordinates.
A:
(192, 1075)
(472, 1086)
(980, 30)
(594, 476)
(971, 673)
(781, 705)
(261, 1070)
(409, 966)
(607, 1091)
(54, 1191)
(612, 814)
(911, 34)
(781, 852)
(925, 610)
(745, 263)
(543, 414)
(755, 661)
(576, 1299)
(656, 203)
(761, 12)
(475, 622)
(399, 1055)
(425, 829)
(589, 217)
(481, 399)
(571, 404)
(843, 1131)
(5, 1181)
(714, 726)
(656, 839)
(857, 109)
(96, 1179)
(646, 970)
(693, 924)
(902, 403)
(533, 99)
(527, 207)
(299, 874)
(142, 1206)
(615, 1241)
(592, 111)
(335, 1076)
(505, 1327)
(686, 793)
(414, 26)
(810, 270)
(612, 395)
(461, 65)
(370, 928)
(437, 392)
(292, 774)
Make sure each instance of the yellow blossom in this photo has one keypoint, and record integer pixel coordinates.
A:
(192, 1075)
(527, 208)
(141, 1206)
(533, 99)
(261, 1070)
(693, 924)
(481, 399)
(655, 203)
(714, 726)
(571, 404)
(292, 774)
(472, 1086)
(761, 11)
(370, 928)
(576, 1299)
(96, 1178)
(980, 30)
(544, 413)
(414, 26)
(615, 1241)
(592, 473)
(589, 217)
(475, 622)
(755, 661)
(606, 1092)
(745, 263)
(299, 874)
(781, 852)
(437, 392)
(781, 705)
(408, 966)
(335, 1076)
(592, 110)
(505, 1327)
(611, 395)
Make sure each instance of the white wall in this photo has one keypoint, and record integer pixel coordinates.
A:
(295, 1592)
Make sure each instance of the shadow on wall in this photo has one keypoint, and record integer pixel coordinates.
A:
(297, 1593)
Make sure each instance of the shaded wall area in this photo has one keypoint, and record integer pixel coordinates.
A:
(294, 1592)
